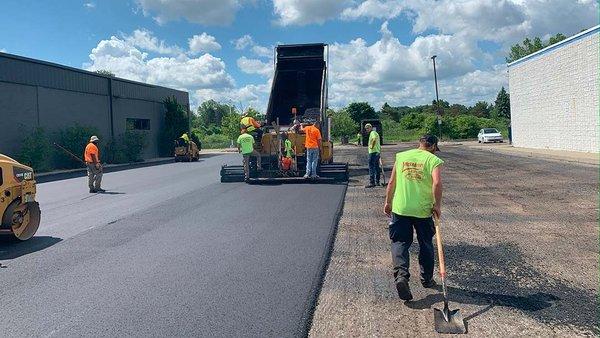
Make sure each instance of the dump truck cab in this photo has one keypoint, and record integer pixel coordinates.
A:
(298, 96)
(19, 211)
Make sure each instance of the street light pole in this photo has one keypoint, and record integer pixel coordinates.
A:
(437, 98)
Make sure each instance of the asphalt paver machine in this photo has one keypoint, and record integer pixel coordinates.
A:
(298, 95)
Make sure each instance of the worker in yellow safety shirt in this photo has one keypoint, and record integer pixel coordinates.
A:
(251, 125)
(245, 144)
(374, 147)
(185, 138)
(287, 147)
(413, 196)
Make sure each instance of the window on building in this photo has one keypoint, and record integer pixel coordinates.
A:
(138, 124)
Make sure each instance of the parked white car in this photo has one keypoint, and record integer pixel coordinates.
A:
(489, 135)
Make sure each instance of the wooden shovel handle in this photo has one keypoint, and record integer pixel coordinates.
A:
(440, 247)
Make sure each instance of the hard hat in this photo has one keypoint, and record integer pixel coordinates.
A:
(368, 125)
(94, 139)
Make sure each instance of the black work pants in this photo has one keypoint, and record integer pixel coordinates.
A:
(401, 234)
(374, 168)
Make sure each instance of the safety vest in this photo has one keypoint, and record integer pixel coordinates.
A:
(288, 148)
(247, 123)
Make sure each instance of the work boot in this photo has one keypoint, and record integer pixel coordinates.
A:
(100, 190)
(316, 176)
(306, 176)
(430, 284)
(93, 191)
(370, 185)
(403, 290)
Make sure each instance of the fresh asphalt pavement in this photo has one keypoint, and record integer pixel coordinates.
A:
(169, 251)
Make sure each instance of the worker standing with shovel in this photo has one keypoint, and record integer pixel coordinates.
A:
(413, 196)
(94, 168)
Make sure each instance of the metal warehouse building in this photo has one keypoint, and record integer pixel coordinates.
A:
(554, 95)
(34, 93)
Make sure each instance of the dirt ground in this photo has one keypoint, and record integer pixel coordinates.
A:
(521, 243)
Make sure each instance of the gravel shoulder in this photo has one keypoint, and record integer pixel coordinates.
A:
(521, 242)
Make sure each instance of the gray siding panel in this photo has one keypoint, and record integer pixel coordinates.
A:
(65, 96)
(59, 109)
(154, 111)
(18, 114)
(23, 72)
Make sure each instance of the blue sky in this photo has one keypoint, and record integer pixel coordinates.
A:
(379, 48)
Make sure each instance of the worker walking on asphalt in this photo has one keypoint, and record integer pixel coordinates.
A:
(374, 148)
(312, 144)
(94, 168)
(251, 126)
(413, 195)
(245, 144)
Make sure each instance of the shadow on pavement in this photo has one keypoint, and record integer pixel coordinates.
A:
(11, 248)
(499, 276)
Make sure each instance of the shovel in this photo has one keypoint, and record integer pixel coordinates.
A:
(446, 320)
(382, 172)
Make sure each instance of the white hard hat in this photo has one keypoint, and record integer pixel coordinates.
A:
(94, 138)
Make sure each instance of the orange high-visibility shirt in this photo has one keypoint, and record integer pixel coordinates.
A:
(313, 134)
(89, 150)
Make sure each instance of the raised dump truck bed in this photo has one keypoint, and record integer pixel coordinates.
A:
(298, 95)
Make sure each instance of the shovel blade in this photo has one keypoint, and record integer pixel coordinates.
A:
(453, 325)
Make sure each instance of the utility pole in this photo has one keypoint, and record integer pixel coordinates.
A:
(437, 99)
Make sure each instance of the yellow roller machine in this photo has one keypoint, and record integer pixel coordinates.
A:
(18, 208)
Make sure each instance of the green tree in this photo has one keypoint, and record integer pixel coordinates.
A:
(518, 51)
(342, 124)
(480, 109)
(105, 72)
(231, 126)
(176, 123)
(361, 110)
(212, 112)
(502, 103)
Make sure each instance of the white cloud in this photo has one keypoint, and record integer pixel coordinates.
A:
(145, 40)
(252, 95)
(303, 12)
(2, 50)
(206, 12)
(203, 43)
(254, 66)
(89, 5)
(374, 9)
(243, 42)
(247, 41)
(126, 60)
(389, 71)
(505, 21)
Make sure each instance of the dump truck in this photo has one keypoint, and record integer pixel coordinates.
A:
(298, 96)
(20, 212)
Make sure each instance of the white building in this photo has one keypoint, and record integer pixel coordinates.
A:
(554, 95)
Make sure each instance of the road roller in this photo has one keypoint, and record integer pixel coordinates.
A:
(20, 212)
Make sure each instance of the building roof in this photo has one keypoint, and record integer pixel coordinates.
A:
(557, 45)
(73, 69)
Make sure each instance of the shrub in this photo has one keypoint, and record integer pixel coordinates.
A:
(343, 125)
(36, 150)
(127, 147)
(413, 120)
(216, 141)
(74, 139)
(176, 123)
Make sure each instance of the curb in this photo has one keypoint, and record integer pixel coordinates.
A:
(81, 172)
